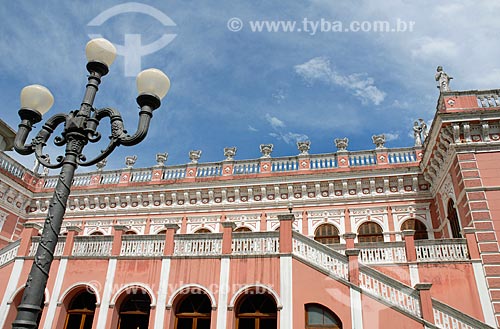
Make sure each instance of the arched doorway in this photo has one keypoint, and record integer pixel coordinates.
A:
(418, 226)
(134, 311)
(327, 234)
(80, 313)
(370, 232)
(320, 317)
(454, 220)
(193, 312)
(256, 311)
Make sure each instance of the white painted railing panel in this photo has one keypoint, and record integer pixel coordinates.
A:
(441, 250)
(323, 161)
(209, 170)
(388, 253)
(198, 245)
(284, 165)
(247, 167)
(143, 245)
(449, 318)
(174, 173)
(390, 291)
(9, 253)
(255, 243)
(141, 176)
(110, 178)
(321, 256)
(92, 246)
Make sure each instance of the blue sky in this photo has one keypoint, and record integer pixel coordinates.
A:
(247, 88)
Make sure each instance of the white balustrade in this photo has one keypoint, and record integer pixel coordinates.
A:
(208, 170)
(82, 180)
(284, 164)
(390, 290)
(255, 243)
(450, 318)
(488, 100)
(35, 242)
(92, 246)
(320, 256)
(198, 245)
(174, 173)
(243, 168)
(11, 166)
(382, 254)
(50, 182)
(363, 159)
(142, 245)
(110, 178)
(141, 176)
(401, 156)
(441, 250)
(323, 161)
(9, 253)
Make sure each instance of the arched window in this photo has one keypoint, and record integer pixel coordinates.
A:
(130, 232)
(243, 229)
(320, 317)
(370, 232)
(97, 233)
(453, 219)
(80, 312)
(193, 312)
(256, 311)
(418, 226)
(162, 232)
(327, 234)
(203, 230)
(134, 311)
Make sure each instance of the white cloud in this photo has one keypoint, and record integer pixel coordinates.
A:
(428, 47)
(274, 121)
(391, 136)
(251, 128)
(359, 84)
(278, 126)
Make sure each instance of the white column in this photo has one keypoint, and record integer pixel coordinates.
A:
(223, 293)
(484, 296)
(11, 288)
(51, 312)
(286, 313)
(162, 294)
(356, 309)
(414, 276)
(106, 295)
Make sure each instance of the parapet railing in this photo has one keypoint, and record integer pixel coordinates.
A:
(198, 244)
(11, 166)
(357, 159)
(317, 255)
(92, 246)
(8, 253)
(441, 250)
(262, 243)
(447, 317)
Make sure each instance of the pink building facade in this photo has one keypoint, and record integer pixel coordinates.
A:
(385, 238)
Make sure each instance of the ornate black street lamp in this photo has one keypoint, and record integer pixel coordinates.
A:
(80, 128)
